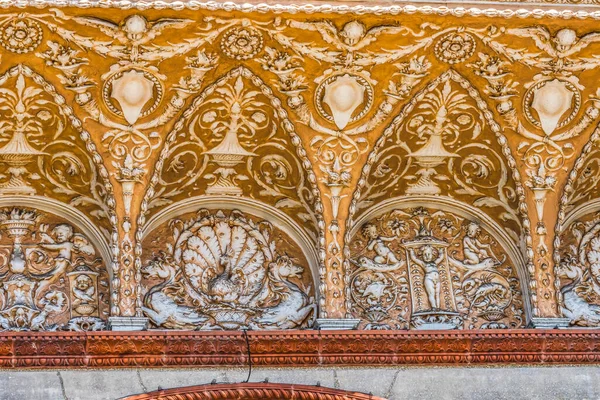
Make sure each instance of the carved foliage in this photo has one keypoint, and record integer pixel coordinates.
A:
(427, 269)
(44, 150)
(236, 140)
(440, 145)
(52, 277)
(223, 270)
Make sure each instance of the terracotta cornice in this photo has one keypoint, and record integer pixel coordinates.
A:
(253, 391)
(587, 10)
(296, 348)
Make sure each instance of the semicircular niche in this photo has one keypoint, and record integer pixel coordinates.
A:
(428, 268)
(53, 277)
(225, 269)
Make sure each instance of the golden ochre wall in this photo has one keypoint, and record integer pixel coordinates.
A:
(219, 169)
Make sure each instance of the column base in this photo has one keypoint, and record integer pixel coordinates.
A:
(127, 324)
(337, 324)
(550, 323)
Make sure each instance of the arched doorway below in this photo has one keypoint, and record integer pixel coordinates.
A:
(252, 391)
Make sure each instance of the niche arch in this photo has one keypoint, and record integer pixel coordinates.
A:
(55, 267)
(237, 263)
(387, 273)
(192, 147)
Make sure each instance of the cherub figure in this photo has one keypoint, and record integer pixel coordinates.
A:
(130, 38)
(84, 290)
(65, 242)
(563, 44)
(352, 37)
(473, 250)
(428, 261)
(378, 244)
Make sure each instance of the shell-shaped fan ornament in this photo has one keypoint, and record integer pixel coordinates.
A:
(225, 258)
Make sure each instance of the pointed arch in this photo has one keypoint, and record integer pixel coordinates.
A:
(361, 200)
(399, 168)
(273, 168)
(62, 149)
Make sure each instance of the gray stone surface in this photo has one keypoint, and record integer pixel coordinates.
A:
(400, 383)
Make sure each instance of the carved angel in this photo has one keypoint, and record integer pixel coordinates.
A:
(84, 290)
(134, 29)
(65, 241)
(128, 36)
(352, 37)
(563, 44)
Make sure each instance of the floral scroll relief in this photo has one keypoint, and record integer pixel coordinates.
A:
(20, 34)
(435, 147)
(51, 276)
(427, 269)
(345, 91)
(39, 150)
(553, 99)
(134, 88)
(226, 271)
(237, 143)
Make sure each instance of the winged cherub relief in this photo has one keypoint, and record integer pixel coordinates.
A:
(52, 279)
(130, 38)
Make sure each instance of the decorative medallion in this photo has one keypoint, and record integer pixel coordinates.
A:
(132, 93)
(21, 35)
(344, 98)
(555, 102)
(226, 271)
(455, 47)
(242, 42)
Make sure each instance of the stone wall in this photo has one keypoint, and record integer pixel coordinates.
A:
(528, 382)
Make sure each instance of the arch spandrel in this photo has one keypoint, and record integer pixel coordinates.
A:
(236, 140)
(226, 269)
(45, 150)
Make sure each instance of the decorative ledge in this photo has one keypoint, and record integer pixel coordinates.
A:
(296, 348)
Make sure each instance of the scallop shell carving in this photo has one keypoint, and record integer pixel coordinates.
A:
(221, 270)
(225, 259)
